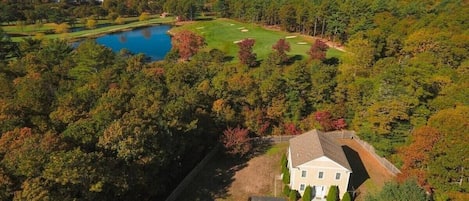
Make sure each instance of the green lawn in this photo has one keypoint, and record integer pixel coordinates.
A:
(223, 33)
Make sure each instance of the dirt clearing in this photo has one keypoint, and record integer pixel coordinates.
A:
(234, 179)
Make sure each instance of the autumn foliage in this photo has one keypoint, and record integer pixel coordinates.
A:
(327, 122)
(318, 50)
(416, 156)
(187, 43)
(245, 53)
(291, 129)
(236, 141)
(281, 48)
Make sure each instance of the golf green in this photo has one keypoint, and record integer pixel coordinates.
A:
(223, 34)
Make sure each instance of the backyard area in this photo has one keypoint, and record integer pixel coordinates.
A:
(234, 179)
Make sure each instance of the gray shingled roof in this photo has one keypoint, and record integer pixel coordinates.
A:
(314, 144)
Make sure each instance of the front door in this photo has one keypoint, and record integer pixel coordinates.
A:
(320, 191)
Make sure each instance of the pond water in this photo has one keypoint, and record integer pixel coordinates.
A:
(153, 41)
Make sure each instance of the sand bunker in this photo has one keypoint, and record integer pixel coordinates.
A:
(290, 36)
(236, 41)
(302, 43)
(244, 30)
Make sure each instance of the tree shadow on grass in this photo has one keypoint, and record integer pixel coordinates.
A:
(294, 58)
(214, 181)
(359, 175)
(228, 58)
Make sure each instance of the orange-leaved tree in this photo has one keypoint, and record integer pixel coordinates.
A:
(187, 43)
(236, 141)
(416, 156)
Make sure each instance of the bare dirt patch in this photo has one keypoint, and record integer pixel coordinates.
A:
(227, 178)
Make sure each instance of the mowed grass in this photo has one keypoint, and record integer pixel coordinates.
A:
(224, 33)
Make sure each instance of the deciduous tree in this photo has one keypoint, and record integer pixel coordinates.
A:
(318, 50)
(416, 156)
(236, 141)
(281, 48)
(246, 56)
(187, 43)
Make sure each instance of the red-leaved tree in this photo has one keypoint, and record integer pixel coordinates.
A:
(325, 119)
(339, 124)
(236, 141)
(416, 157)
(187, 43)
(291, 129)
(281, 48)
(245, 53)
(318, 50)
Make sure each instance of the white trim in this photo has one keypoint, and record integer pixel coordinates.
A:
(322, 159)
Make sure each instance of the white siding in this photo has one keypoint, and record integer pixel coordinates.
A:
(322, 164)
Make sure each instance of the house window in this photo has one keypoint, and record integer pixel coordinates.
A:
(303, 173)
(321, 175)
(337, 176)
(302, 187)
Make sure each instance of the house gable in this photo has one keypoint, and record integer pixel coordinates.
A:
(323, 163)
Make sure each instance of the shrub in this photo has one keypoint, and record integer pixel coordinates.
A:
(333, 194)
(307, 195)
(293, 195)
(286, 190)
(62, 28)
(347, 197)
(144, 16)
(91, 23)
(286, 177)
(119, 20)
(284, 162)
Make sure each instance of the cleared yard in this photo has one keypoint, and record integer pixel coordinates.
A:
(231, 179)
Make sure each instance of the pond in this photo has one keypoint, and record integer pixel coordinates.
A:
(153, 41)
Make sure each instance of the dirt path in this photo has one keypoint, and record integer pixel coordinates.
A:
(329, 43)
(369, 175)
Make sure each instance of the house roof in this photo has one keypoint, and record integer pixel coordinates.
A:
(314, 144)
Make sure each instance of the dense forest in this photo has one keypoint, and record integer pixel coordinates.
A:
(89, 124)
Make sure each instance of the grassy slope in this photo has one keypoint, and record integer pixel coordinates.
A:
(222, 33)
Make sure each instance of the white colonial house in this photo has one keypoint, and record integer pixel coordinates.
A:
(316, 159)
